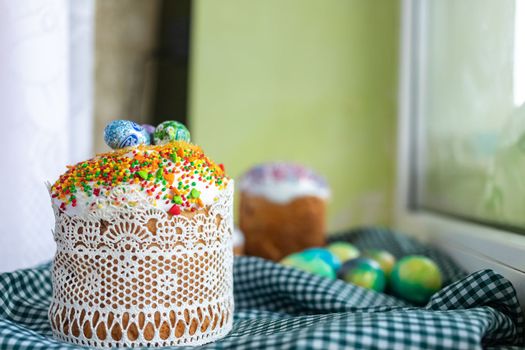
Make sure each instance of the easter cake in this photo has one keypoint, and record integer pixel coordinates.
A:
(144, 243)
(282, 209)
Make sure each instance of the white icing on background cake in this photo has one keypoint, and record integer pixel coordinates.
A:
(282, 182)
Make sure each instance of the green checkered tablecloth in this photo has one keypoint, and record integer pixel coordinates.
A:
(283, 308)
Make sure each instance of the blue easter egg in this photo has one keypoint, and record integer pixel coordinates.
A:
(125, 133)
(314, 265)
(324, 254)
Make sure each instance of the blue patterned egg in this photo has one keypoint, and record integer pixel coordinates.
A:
(124, 133)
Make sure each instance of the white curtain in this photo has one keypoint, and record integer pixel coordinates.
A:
(46, 59)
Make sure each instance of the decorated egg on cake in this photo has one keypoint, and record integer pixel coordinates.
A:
(149, 130)
(383, 258)
(343, 250)
(415, 278)
(326, 255)
(363, 272)
(312, 264)
(169, 131)
(124, 133)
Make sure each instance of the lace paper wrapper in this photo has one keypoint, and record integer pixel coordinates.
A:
(141, 277)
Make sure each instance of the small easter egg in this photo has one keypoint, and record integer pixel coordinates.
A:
(415, 278)
(383, 258)
(363, 272)
(343, 250)
(326, 255)
(314, 265)
(124, 133)
(169, 131)
(149, 130)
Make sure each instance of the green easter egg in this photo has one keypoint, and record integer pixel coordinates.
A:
(363, 272)
(343, 250)
(415, 278)
(170, 131)
(315, 265)
(383, 258)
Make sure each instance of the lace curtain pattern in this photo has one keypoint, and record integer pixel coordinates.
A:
(45, 108)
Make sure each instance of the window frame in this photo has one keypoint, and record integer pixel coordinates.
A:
(474, 246)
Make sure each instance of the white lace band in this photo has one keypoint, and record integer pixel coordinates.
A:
(141, 277)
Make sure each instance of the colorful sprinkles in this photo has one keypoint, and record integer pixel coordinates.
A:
(168, 173)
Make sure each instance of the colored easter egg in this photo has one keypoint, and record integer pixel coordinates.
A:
(326, 255)
(383, 258)
(415, 278)
(124, 133)
(363, 272)
(149, 130)
(343, 250)
(169, 131)
(314, 265)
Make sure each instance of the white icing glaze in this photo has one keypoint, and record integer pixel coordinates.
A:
(283, 182)
(131, 195)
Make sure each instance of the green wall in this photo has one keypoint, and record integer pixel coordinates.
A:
(313, 81)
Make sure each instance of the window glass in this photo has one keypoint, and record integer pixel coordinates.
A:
(470, 110)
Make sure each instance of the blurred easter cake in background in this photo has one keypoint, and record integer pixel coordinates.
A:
(282, 209)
